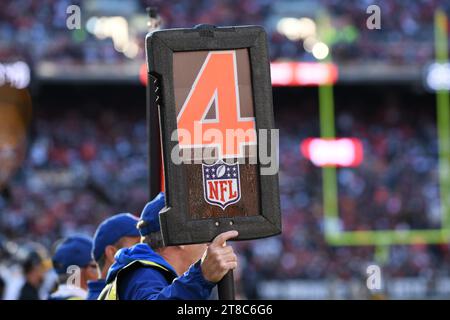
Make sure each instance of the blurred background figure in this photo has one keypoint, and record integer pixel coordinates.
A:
(25, 269)
(35, 266)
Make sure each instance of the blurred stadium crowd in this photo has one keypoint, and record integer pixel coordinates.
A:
(36, 30)
(86, 164)
(395, 188)
(88, 160)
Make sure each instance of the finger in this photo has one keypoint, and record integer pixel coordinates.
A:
(223, 237)
(231, 257)
(223, 250)
(227, 250)
(231, 265)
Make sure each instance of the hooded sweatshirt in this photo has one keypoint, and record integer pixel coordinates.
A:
(95, 288)
(149, 283)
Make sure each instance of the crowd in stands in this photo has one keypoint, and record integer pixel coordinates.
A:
(36, 30)
(83, 167)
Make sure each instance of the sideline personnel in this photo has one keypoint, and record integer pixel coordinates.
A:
(149, 271)
(116, 232)
(73, 251)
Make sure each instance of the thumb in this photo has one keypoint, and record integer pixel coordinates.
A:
(221, 239)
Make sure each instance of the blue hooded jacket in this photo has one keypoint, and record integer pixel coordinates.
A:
(95, 288)
(147, 283)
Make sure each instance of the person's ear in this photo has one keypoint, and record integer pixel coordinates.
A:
(110, 251)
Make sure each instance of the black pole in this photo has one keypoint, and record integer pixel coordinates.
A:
(225, 287)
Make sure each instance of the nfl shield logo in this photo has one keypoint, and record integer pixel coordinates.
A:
(221, 183)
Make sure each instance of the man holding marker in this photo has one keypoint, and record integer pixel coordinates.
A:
(150, 271)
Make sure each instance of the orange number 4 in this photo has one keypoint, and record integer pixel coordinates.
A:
(216, 83)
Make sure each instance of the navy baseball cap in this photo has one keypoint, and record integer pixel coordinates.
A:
(75, 250)
(149, 221)
(111, 230)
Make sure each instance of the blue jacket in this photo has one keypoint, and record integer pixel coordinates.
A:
(94, 289)
(149, 283)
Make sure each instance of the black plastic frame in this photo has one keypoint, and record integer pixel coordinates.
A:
(176, 227)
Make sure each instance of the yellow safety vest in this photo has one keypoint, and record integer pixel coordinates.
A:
(110, 290)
